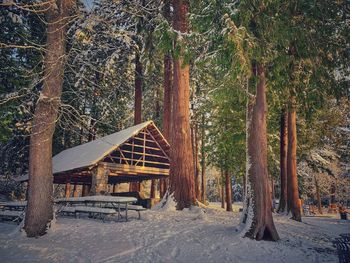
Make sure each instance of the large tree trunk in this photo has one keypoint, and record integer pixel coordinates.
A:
(39, 211)
(222, 196)
(292, 179)
(181, 164)
(258, 198)
(136, 186)
(228, 187)
(283, 161)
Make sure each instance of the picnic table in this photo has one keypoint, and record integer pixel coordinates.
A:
(17, 205)
(118, 203)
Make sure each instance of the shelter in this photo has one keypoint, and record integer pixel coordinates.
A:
(135, 154)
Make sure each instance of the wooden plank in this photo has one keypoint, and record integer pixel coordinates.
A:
(124, 168)
(140, 146)
(147, 154)
(157, 143)
(141, 139)
(121, 153)
(146, 161)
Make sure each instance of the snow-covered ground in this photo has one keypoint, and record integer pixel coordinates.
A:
(186, 236)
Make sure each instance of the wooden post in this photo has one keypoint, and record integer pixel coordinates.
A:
(99, 180)
(114, 188)
(67, 195)
(153, 189)
(75, 191)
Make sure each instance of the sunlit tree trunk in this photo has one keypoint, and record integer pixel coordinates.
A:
(228, 191)
(283, 160)
(258, 198)
(181, 164)
(39, 212)
(293, 202)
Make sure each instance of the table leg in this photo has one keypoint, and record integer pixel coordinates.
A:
(119, 211)
(126, 211)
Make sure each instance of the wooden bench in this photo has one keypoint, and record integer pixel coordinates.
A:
(141, 200)
(15, 216)
(136, 208)
(91, 210)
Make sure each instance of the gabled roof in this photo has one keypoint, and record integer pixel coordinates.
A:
(89, 154)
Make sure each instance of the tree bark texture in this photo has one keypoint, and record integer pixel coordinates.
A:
(222, 196)
(85, 190)
(153, 189)
(259, 197)
(228, 187)
(292, 179)
(283, 161)
(136, 186)
(40, 201)
(181, 163)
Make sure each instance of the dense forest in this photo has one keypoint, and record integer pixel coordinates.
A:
(256, 90)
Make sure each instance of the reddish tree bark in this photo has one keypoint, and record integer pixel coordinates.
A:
(39, 211)
(85, 191)
(283, 160)
(181, 163)
(138, 90)
(258, 197)
(222, 196)
(228, 187)
(292, 180)
(136, 186)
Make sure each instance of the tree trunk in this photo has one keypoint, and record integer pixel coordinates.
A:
(222, 196)
(85, 190)
(203, 179)
(153, 189)
(258, 198)
(228, 186)
(292, 180)
(319, 205)
(167, 102)
(272, 194)
(283, 160)
(135, 186)
(39, 211)
(181, 163)
(67, 189)
(75, 190)
(138, 90)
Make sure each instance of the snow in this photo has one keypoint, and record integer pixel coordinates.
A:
(98, 198)
(192, 235)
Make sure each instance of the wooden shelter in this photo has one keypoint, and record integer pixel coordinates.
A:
(135, 154)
